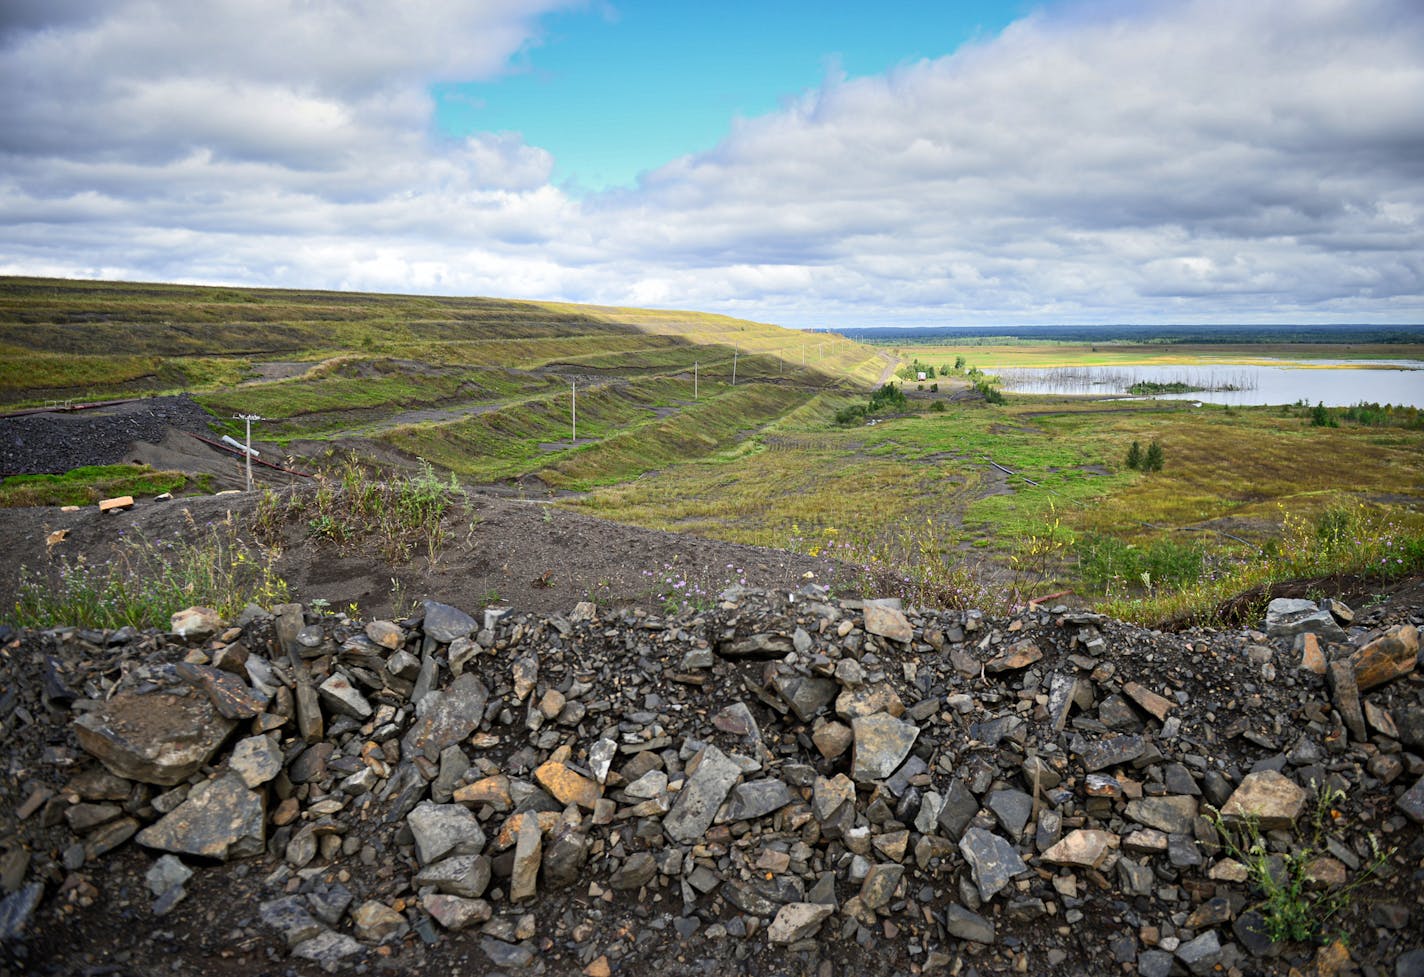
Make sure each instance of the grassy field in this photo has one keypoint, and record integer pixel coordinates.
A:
(952, 499)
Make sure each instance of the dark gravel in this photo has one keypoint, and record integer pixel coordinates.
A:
(59, 441)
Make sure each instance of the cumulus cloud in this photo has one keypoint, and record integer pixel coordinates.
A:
(1163, 161)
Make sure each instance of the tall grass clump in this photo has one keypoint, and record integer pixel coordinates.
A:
(912, 560)
(402, 512)
(1345, 540)
(147, 580)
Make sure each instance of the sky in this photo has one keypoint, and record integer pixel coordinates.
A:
(924, 163)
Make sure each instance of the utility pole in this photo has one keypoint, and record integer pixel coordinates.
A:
(734, 366)
(247, 451)
(573, 415)
(694, 379)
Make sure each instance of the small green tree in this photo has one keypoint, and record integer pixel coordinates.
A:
(1321, 417)
(1134, 456)
(1152, 461)
(959, 362)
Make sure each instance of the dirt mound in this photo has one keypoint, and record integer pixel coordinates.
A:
(501, 551)
(58, 441)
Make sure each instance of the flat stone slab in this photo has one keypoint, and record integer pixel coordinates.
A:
(798, 921)
(445, 829)
(1270, 798)
(158, 739)
(1172, 814)
(701, 796)
(1082, 848)
(220, 819)
(888, 622)
(755, 799)
(993, 860)
(881, 744)
(1289, 616)
(444, 623)
(454, 715)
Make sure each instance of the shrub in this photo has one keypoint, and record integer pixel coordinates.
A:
(1134, 456)
(1320, 416)
(1152, 461)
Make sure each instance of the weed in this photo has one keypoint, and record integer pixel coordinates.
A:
(1292, 906)
(146, 581)
(349, 504)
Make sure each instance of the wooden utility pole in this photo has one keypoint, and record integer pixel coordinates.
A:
(573, 415)
(247, 450)
(694, 379)
(734, 366)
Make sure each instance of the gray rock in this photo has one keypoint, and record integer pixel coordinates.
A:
(456, 912)
(1154, 963)
(1113, 750)
(220, 819)
(1201, 954)
(157, 739)
(1169, 814)
(328, 950)
(256, 760)
(512, 955)
(228, 693)
(806, 696)
(959, 809)
(761, 645)
(967, 925)
(444, 623)
(881, 744)
(992, 859)
(461, 875)
(528, 855)
(167, 872)
(1410, 964)
(291, 917)
(702, 794)
(341, 697)
(451, 717)
(755, 799)
(887, 621)
(879, 885)
(564, 856)
(636, 871)
(1013, 809)
(329, 901)
(1411, 802)
(16, 910)
(444, 829)
(798, 921)
(1288, 616)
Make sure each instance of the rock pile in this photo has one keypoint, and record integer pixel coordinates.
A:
(781, 783)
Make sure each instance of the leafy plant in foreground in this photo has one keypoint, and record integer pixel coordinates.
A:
(1294, 906)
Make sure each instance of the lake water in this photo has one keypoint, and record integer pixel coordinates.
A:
(1239, 384)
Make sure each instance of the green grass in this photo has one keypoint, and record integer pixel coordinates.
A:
(89, 484)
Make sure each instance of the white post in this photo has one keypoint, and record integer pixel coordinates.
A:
(573, 415)
(734, 366)
(694, 379)
(248, 418)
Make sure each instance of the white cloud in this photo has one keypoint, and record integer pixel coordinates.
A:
(1160, 161)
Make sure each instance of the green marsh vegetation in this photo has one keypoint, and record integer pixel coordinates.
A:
(943, 500)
